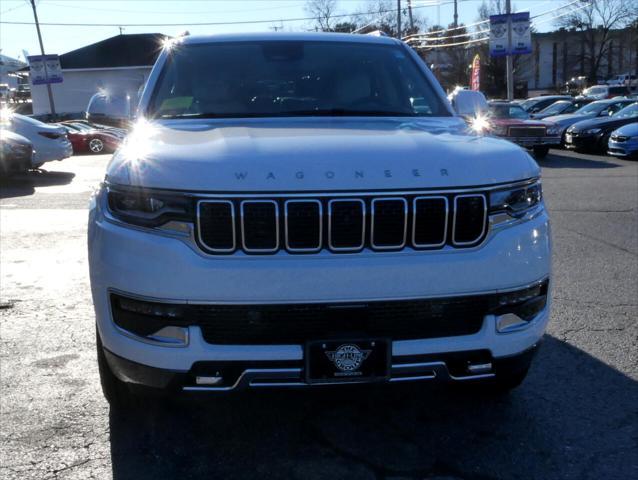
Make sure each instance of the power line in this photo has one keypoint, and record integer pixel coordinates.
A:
(197, 24)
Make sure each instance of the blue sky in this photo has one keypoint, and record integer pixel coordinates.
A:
(61, 39)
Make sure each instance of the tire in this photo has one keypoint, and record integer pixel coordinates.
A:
(114, 390)
(541, 152)
(96, 146)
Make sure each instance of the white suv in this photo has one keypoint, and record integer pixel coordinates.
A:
(297, 210)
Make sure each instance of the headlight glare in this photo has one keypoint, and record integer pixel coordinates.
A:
(516, 201)
(592, 131)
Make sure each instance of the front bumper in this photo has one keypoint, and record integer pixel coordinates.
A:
(623, 149)
(529, 142)
(170, 268)
(463, 366)
(582, 142)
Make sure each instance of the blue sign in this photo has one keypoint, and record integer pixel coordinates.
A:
(521, 36)
(44, 69)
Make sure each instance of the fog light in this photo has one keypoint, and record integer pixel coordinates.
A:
(208, 380)
(152, 309)
(176, 336)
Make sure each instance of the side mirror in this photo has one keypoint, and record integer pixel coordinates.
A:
(113, 109)
(468, 103)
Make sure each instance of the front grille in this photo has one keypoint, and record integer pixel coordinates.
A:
(527, 131)
(299, 323)
(341, 225)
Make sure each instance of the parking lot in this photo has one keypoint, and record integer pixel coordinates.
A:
(575, 417)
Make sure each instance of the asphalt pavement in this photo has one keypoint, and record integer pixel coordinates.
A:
(575, 417)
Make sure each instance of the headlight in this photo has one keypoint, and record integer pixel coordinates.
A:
(553, 130)
(147, 208)
(499, 130)
(516, 201)
(592, 131)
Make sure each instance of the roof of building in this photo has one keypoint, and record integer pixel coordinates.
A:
(124, 50)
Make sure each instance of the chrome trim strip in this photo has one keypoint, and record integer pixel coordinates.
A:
(405, 223)
(250, 374)
(323, 301)
(320, 218)
(243, 230)
(460, 244)
(232, 219)
(348, 193)
(447, 216)
(363, 229)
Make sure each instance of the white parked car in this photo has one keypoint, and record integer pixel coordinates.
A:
(314, 213)
(49, 141)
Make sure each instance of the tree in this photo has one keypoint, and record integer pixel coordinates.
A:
(382, 15)
(323, 12)
(595, 22)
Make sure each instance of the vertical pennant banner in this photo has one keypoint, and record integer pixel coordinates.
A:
(521, 33)
(475, 83)
(41, 76)
(498, 35)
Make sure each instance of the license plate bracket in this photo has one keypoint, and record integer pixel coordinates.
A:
(348, 361)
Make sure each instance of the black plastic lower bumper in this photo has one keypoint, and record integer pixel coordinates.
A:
(453, 366)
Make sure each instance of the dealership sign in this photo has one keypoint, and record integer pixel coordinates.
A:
(519, 25)
(44, 69)
(475, 83)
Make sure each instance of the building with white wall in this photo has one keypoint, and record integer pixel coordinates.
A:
(117, 64)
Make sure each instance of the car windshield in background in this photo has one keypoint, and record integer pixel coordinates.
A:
(508, 111)
(591, 108)
(628, 112)
(556, 108)
(292, 78)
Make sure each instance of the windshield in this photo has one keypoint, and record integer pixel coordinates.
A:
(292, 78)
(628, 112)
(591, 108)
(508, 111)
(527, 104)
(594, 91)
(556, 108)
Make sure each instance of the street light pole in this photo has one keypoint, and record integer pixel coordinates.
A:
(411, 18)
(456, 14)
(44, 63)
(399, 19)
(509, 58)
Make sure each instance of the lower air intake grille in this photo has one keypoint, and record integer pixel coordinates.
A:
(299, 323)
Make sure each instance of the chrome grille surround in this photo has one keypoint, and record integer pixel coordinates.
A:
(414, 219)
(357, 248)
(286, 228)
(243, 229)
(399, 245)
(233, 247)
(472, 242)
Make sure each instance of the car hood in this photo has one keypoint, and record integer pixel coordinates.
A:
(567, 119)
(630, 130)
(314, 154)
(604, 122)
(11, 137)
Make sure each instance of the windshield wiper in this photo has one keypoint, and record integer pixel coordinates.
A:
(328, 112)
(344, 112)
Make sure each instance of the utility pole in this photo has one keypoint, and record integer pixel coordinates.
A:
(509, 59)
(399, 19)
(456, 14)
(411, 18)
(46, 74)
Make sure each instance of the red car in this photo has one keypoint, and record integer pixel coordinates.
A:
(510, 121)
(91, 140)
